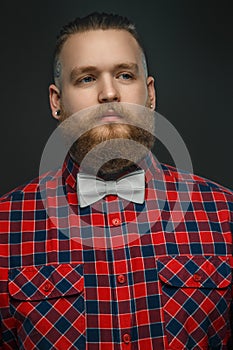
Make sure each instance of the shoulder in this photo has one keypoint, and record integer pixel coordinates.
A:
(198, 183)
(30, 190)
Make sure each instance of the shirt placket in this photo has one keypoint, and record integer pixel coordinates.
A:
(120, 271)
(123, 297)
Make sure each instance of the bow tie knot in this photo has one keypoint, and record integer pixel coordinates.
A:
(111, 187)
(91, 189)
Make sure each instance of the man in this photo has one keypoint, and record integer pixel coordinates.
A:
(85, 263)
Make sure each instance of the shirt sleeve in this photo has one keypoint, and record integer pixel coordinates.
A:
(7, 323)
(230, 344)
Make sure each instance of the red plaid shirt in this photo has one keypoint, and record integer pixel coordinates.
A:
(116, 275)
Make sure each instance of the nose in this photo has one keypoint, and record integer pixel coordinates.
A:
(108, 91)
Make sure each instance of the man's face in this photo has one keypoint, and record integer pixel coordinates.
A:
(101, 66)
(103, 69)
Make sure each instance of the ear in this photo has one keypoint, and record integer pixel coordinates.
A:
(151, 102)
(55, 100)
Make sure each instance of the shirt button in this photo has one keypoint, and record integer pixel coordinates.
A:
(116, 222)
(47, 287)
(196, 277)
(121, 278)
(126, 338)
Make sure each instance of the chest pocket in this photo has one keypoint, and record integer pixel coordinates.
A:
(196, 297)
(48, 302)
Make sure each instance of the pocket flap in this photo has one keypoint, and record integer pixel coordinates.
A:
(195, 272)
(48, 281)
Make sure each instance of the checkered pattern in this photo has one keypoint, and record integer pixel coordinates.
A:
(116, 275)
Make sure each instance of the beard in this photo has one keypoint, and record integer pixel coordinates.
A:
(109, 149)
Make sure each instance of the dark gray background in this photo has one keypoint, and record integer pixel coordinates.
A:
(190, 51)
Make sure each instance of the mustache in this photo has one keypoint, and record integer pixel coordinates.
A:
(108, 109)
(90, 117)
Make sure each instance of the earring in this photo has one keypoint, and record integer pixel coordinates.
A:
(57, 113)
(151, 106)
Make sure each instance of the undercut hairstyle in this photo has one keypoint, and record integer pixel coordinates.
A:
(93, 21)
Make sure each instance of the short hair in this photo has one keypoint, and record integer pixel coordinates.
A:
(94, 21)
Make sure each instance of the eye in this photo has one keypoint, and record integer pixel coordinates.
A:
(86, 80)
(126, 76)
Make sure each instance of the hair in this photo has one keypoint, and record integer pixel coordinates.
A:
(94, 21)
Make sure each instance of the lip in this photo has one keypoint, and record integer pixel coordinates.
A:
(111, 116)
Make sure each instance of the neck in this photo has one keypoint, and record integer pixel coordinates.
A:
(113, 176)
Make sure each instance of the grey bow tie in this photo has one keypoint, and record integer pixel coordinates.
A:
(91, 189)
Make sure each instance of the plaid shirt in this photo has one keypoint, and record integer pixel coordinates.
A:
(116, 275)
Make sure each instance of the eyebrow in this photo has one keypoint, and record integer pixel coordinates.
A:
(76, 71)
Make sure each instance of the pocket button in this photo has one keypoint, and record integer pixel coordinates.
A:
(197, 277)
(121, 278)
(126, 338)
(47, 287)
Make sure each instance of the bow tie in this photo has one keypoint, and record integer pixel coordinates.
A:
(91, 189)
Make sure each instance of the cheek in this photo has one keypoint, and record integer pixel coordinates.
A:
(74, 101)
(136, 94)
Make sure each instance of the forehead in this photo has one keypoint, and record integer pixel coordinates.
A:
(100, 47)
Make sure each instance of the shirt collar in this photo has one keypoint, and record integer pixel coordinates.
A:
(70, 169)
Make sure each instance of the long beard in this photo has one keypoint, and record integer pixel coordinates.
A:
(106, 138)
